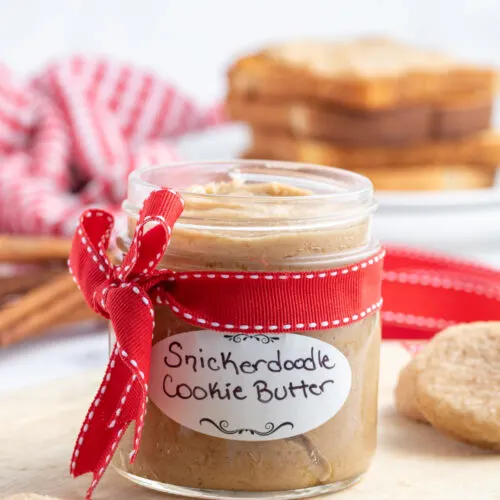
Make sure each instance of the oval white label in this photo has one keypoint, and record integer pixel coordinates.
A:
(248, 387)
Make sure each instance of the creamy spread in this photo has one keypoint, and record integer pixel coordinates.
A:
(340, 449)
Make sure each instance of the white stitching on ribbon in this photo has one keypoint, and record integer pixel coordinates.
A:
(90, 414)
(323, 323)
(410, 319)
(438, 282)
(352, 269)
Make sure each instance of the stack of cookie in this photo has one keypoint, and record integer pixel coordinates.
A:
(454, 384)
(409, 119)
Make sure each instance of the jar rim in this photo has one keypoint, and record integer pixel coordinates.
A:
(359, 185)
(350, 195)
(339, 199)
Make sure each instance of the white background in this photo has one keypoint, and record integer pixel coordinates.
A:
(191, 42)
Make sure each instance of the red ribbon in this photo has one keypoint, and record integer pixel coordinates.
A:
(423, 293)
(232, 301)
(120, 294)
(426, 292)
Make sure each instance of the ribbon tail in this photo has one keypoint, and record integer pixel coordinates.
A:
(134, 391)
(117, 403)
(419, 309)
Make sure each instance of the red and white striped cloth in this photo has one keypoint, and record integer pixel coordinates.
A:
(83, 122)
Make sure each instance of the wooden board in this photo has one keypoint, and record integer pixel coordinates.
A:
(413, 461)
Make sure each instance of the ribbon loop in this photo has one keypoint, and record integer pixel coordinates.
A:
(154, 228)
(89, 265)
(139, 262)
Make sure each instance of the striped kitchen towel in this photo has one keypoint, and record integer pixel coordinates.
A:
(70, 136)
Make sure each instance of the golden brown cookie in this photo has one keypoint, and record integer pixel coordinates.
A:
(425, 177)
(479, 149)
(395, 127)
(366, 73)
(406, 401)
(444, 177)
(458, 383)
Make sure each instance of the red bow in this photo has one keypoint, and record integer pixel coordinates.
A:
(120, 294)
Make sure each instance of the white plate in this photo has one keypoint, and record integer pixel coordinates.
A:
(462, 222)
(433, 199)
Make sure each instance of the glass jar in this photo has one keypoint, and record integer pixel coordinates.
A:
(259, 216)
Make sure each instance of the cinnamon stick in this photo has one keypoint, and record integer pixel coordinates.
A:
(33, 249)
(36, 300)
(45, 318)
(79, 314)
(21, 283)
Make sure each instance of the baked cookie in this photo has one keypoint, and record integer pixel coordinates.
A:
(395, 127)
(480, 149)
(458, 383)
(406, 401)
(427, 177)
(364, 73)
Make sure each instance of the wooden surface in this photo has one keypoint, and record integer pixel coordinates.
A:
(413, 461)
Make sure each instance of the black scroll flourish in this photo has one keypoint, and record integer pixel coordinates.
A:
(223, 426)
(244, 337)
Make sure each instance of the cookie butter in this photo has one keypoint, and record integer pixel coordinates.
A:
(256, 216)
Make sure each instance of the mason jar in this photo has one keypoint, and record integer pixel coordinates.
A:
(199, 438)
